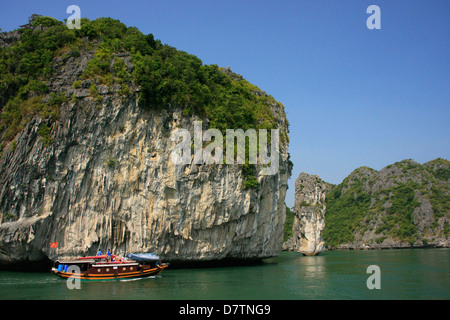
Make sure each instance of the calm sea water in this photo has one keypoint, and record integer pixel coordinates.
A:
(404, 274)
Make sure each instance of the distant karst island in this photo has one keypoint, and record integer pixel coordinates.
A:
(404, 205)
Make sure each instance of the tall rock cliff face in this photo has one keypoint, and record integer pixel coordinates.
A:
(103, 177)
(309, 219)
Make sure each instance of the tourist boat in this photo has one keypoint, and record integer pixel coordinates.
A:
(102, 267)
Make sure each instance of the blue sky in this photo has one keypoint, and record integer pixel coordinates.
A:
(353, 96)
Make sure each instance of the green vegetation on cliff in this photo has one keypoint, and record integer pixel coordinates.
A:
(164, 76)
(290, 215)
(406, 202)
(345, 211)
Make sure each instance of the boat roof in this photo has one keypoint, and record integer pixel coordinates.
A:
(76, 261)
(142, 256)
(93, 257)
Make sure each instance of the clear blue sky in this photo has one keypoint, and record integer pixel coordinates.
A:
(353, 96)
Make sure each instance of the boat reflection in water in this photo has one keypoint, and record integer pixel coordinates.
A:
(104, 267)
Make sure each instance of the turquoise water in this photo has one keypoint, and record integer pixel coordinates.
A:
(404, 274)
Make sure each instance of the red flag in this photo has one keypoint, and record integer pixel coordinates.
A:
(54, 245)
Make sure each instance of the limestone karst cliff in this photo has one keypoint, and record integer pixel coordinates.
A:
(87, 163)
(404, 205)
(309, 218)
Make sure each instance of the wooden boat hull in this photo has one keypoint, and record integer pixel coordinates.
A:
(110, 276)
